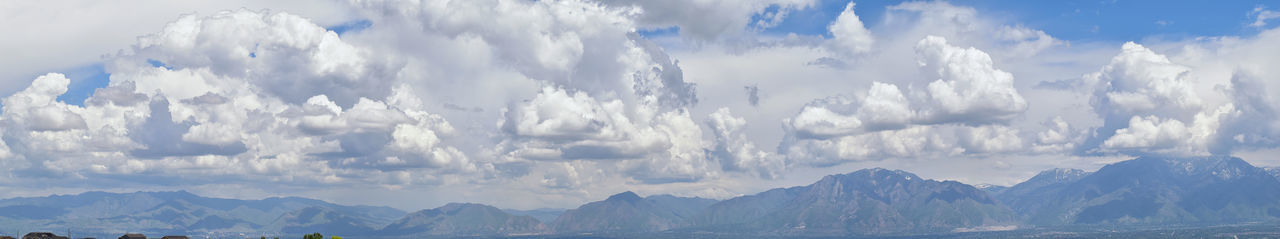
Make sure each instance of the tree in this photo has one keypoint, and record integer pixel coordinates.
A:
(313, 236)
(335, 237)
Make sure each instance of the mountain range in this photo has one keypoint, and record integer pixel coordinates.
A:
(1144, 191)
(178, 212)
(866, 202)
(1150, 191)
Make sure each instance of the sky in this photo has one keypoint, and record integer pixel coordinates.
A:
(414, 104)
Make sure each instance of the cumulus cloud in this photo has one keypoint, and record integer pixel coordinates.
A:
(161, 136)
(286, 55)
(239, 92)
(570, 97)
(558, 124)
(1149, 132)
(902, 143)
(1254, 124)
(1058, 136)
(969, 94)
(969, 88)
(990, 139)
(36, 107)
(572, 79)
(1139, 81)
(849, 35)
(820, 122)
(735, 152)
(885, 108)
(1153, 134)
(1147, 102)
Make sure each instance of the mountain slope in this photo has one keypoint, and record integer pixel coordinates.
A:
(319, 219)
(1274, 171)
(628, 212)
(544, 215)
(991, 189)
(1029, 195)
(865, 202)
(464, 219)
(167, 212)
(1159, 190)
(746, 208)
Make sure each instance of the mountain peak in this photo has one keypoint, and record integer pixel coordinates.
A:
(987, 185)
(1222, 167)
(1059, 175)
(627, 196)
(880, 173)
(1274, 171)
(459, 205)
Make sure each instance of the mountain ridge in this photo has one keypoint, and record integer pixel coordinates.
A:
(868, 202)
(1159, 190)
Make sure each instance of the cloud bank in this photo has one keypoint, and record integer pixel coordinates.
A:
(563, 100)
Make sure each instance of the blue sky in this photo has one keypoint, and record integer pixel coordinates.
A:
(1116, 21)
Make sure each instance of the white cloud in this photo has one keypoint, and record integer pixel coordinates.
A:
(969, 98)
(1026, 42)
(1152, 133)
(215, 110)
(820, 122)
(558, 114)
(1149, 132)
(652, 145)
(35, 108)
(1261, 16)
(1149, 103)
(563, 100)
(709, 20)
(735, 152)
(64, 27)
(1058, 137)
(990, 139)
(212, 134)
(885, 108)
(849, 35)
(969, 87)
(902, 143)
(1139, 81)
(284, 55)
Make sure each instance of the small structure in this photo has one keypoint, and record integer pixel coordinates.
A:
(175, 237)
(133, 236)
(43, 235)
